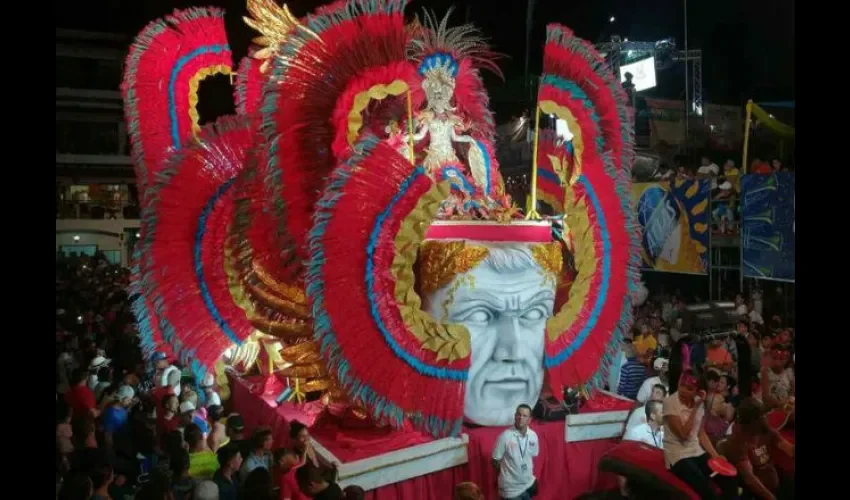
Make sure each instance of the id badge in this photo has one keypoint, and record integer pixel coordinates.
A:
(524, 467)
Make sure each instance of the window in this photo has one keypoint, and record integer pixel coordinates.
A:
(85, 73)
(79, 137)
(78, 250)
(112, 256)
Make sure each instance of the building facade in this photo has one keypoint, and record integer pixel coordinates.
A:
(96, 199)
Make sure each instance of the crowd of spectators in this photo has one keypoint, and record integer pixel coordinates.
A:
(127, 428)
(707, 415)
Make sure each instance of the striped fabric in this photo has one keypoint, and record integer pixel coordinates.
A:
(631, 377)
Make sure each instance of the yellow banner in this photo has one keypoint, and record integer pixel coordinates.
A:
(770, 122)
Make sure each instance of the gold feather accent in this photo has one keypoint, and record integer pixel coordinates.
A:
(310, 371)
(284, 330)
(302, 352)
(275, 23)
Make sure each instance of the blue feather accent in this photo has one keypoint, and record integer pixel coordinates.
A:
(199, 263)
(464, 185)
(172, 81)
(439, 60)
(323, 331)
(549, 175)
(602, 296)
(487, 167)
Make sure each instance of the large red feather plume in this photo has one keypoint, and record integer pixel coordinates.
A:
(248, 91)
(352, 284)
(165, 64)
(182, 278)
(312, 71)
(576, 79)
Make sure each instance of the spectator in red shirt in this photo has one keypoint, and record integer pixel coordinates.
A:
(167, 418)
(751, 449)
(79, 397)
(286, 461)
(759, 167)
(299, 438)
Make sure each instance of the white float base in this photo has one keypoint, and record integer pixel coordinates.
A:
(400, 465)
(598, 425)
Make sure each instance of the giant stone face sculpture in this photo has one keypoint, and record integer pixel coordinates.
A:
(504, 302)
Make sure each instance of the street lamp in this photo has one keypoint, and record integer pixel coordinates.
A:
(612, 19)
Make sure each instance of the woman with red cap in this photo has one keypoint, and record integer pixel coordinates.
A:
(687, 448)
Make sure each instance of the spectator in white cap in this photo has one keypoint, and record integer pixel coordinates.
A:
(104, 380)
(208, 386)
(117, 415)
(167, 375)
(96, 364)
(205, 490)
(660, 365)
(188, 416)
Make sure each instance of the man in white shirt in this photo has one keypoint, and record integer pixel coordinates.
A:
(638, 415)
(740, 305)
(708, 169)
(512, 457)
(754, 315)
(650, 432)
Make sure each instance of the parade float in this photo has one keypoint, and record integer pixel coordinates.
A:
(346, 243)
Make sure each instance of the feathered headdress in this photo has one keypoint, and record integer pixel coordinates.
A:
(454, 55)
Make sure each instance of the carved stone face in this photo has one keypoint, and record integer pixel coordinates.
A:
(504, 302)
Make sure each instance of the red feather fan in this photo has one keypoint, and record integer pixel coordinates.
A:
(163, 61)
(350, 278)
(248, 92)
(576, 78)
(306, 83)
(182, 270)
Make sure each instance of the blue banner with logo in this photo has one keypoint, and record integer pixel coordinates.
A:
(674, 225)
(768, 210)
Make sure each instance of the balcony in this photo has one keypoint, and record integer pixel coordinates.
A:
(97, 210)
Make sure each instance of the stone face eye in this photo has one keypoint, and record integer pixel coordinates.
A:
(534, 314)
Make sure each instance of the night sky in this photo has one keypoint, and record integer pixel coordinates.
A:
(748, 45)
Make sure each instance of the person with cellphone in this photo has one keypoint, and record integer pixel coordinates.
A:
(687, 448)
(513, 458)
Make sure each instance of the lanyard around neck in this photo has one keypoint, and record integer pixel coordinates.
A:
(519, 445)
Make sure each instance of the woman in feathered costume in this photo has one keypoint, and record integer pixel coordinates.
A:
(316, 221)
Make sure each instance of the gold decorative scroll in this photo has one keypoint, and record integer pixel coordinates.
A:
(361, 101)
(194, 84)
(553, 108)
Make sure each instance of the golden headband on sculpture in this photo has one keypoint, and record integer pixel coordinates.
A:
(440, 261)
